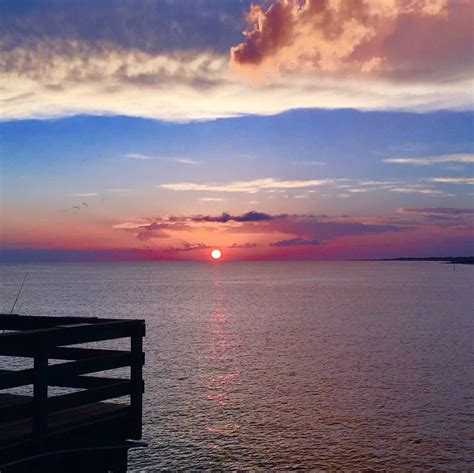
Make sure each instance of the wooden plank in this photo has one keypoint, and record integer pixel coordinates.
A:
(7, 399)
(18, 410)
(27, 343)
(12, 379)
(94, 425)
(19, 322)
(85, 382)
(89, 396)
(70, 419)
(23, 410)
(28, 322)
(65, 370)
(79, 353)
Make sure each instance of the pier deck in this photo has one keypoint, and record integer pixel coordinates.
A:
(77, 428)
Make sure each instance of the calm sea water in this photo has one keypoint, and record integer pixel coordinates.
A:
(286, 365)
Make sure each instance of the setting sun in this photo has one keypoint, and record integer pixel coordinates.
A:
(216, 254)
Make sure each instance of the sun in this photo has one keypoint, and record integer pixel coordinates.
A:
(216, 254)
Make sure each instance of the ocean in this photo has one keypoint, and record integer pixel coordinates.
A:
(285, 365)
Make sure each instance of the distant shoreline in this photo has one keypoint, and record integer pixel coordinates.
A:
(442, 259)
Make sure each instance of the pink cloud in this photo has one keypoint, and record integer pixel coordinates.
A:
(403, 38)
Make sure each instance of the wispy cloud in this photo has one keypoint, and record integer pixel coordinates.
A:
(377, 183)
(251, 216)
(421, 190)
(431, 160)
(152, 235)
(85, 194)
(295, 242)
(243, 246)
(183, 160)
(147, 157)
(309, 163)
(436, 210)
(249, 186)
(190, 247)
(211, 199)
(156, 225)
(139, 156)
(452, 180)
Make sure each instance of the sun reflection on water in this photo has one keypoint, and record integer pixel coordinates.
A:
(224, 376)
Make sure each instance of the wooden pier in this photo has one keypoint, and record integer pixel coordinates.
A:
(78, 429)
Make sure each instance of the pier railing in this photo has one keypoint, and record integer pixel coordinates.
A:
(50, 338)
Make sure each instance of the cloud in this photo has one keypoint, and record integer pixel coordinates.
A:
(53, 77)
(139, 156)
(420, 190)
(153, 27)
(185, 161)
(376, 183)
(146, 230)
(431, 160)
(437, 210)
(85, 194)
(243, 246)
(295, 242)
(211, 199)
(359, 190)
(312, 227)
(152, 234)
(452, 180)
(309, 163)
(146, 157)
(249, 186)
(190, 247)
(251, 216)
(308, 228)
(363, 38)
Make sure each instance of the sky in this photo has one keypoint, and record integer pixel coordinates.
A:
(273, 130)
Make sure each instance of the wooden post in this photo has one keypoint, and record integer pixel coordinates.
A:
(136, 377)
(40, 400)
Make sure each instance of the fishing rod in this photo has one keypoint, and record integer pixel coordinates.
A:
(19, 292)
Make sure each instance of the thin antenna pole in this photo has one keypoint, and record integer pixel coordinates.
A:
(19, 292)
